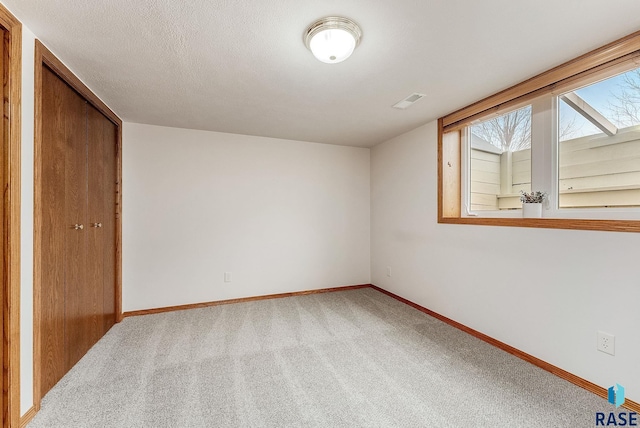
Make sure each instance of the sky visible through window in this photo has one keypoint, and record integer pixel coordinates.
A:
(612, 98)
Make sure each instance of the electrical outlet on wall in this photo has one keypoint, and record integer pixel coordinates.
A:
(606, 343)
(388, 271)
(227, 277)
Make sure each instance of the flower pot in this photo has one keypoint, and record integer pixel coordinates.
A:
(532, 210)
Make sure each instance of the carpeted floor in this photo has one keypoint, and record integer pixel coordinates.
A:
(345, 359)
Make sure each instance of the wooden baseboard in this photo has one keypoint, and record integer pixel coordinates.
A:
(589, 386)
(241, 300)
(26, 418)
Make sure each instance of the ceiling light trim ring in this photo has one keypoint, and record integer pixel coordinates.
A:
(330, 23)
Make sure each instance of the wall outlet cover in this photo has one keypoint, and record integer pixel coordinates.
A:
(606, 343)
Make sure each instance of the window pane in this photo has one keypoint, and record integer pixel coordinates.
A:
(500, 161)
(599, 144)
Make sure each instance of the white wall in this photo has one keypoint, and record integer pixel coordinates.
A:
(282, 216)
(543, 291)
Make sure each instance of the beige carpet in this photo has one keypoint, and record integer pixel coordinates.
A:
(346, 359)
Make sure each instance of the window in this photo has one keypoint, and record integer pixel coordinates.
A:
(573, 132)
(599, 144)
(498, 153)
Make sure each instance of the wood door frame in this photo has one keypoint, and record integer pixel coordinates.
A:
(12, 89)
(44, 57)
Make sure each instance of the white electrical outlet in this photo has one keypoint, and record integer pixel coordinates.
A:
(227, 277)
(606, 343)
(388, 271)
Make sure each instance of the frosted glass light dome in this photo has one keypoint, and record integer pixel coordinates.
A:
(332, 39)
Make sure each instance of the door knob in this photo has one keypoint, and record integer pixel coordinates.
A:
(96, 225)
(78, 226)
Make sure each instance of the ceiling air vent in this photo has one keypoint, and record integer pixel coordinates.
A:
(407, 102)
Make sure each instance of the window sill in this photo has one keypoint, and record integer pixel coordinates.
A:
(548, 223)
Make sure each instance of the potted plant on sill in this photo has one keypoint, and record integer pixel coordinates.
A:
(532, 203)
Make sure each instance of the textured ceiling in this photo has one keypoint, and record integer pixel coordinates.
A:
(240, 66)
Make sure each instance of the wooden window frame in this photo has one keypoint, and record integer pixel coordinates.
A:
(599, 63)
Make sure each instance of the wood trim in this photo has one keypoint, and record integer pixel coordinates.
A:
(37, 225)
(550, 223)
(118, 293)
(440, 168)
(450, 152)
(610, 52)
(11, 288)
(583, 383)
(241, 300)
(592, 75)
(43, 56)
(28, 416)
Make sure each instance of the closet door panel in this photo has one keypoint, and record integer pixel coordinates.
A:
(77, 170)
(78, 294)
(95, 231)
(110, 149)
(53, 231)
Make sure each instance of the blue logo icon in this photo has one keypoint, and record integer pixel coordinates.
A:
(616, 395)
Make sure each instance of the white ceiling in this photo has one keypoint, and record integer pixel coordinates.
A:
(240, 66)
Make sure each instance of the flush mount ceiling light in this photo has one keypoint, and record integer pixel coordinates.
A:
(332, 39)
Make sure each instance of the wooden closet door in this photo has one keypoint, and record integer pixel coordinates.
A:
(63, 205)
(96, 238)
(53, 227)
(76, 222)
(78, 288)
(110, 197)
(102, 208)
